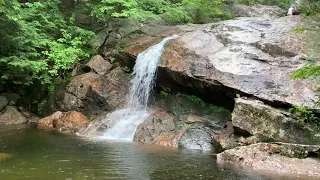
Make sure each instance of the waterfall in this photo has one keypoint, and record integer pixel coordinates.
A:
(122, 124)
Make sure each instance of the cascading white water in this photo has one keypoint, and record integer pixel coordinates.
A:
(125, 121)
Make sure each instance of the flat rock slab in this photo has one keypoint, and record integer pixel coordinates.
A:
(267, 157)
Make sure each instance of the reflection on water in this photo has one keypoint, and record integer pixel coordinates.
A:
(49, 155)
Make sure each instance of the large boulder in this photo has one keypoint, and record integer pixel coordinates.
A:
(71, 121)
(290, 159)
(177, 122)
(270, 124)
(93, 94)
(3, 102)
(10, 115)
(250, 56)
(253, 122)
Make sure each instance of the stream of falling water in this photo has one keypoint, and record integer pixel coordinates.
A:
(122, 124)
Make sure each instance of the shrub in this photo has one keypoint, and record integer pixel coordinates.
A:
(284, 4)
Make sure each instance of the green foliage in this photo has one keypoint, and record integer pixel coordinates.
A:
(197, 11)
(125, 8)
(177, 15)
(41, 106)
(155, 6)
(1, 5)
(308, 71)
(207, 107)
(301, 30)
(195, 99)
(311, 8)
(284, 4)
(39, 42)
(305, 116)
(164, 94)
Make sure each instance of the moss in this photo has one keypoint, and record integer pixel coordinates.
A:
(206, 107)
(309, 33)
(305, 116)
(164, 94)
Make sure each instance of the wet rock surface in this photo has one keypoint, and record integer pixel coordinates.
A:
(71, 121)
(275, 158)
(177, 122)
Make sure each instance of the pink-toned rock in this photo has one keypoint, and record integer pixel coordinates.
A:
(159, 129)
(177, 128)
(99, 65)
(71, 121)
(171, 140)
(93, 94)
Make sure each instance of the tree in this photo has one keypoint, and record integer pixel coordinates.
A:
(38, 42)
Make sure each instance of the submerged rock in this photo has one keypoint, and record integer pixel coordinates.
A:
(4, 156)
(10, 115)
(275, 158)
(71, 121)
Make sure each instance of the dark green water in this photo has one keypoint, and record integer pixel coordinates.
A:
(39, 154)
